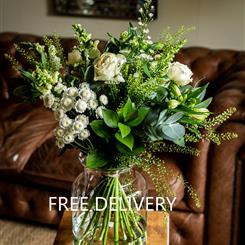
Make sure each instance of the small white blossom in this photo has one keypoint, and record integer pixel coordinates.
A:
(72, 92)
(69, 138)
(83, 85)
(103, 99)
(84, 134)
(98, 112)
(81, 106)
(150, 15)
(59, 88)
(85, 93)
(58, 114)
(83, 119)
(78, 126)
(48, 100)
(93, 104)
(67, 103)
(60, 143)
(59, 132)
(146, 31)
(65, 122)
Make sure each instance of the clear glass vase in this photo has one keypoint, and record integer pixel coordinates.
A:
(109, 207)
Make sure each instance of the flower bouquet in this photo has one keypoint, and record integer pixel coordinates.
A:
(121, 107)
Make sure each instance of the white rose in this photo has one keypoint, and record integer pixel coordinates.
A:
(180, 73)
(108, 66)
(74, 57)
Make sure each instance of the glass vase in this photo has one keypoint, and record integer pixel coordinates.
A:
(109, 207)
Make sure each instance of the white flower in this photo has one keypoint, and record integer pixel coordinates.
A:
(72, 92)
(59, 88)
(69, 138)
(98, 112)
(85, 93)
(78, 126)
(180, 73)
(59, 132)
(60, 143)
(92, 104)
(48, 100)
(83, 85)
(81, 106)
(74, 57)
(67, 103)
(103, 99)
(65, 122)
(58, 114)
(83, 119)
(84, 134)
(108, 67)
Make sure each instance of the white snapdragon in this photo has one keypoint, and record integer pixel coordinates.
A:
(72, 92)
(103, 99)
(48, 100)
(74, 57)
(81, 106)
(84, 134)
(65, 122)
(180, 73)
(85, 94)
(67, 103)
(108, 67)
(92, 104)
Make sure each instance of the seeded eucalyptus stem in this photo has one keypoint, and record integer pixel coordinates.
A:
(125, 221)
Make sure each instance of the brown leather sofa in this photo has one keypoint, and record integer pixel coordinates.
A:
(31, 169)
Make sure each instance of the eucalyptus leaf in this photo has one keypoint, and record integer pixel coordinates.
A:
(174, 131)
(174, 118)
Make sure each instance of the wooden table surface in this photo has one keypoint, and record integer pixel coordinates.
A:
(157, 229)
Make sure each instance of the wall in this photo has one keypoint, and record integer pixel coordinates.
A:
(219, 23)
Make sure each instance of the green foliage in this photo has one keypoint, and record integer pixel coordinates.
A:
(96, 159)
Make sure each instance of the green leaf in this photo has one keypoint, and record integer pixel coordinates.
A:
(146, 70)
(128, 109)
(127, 141)
(174, 118)
(96, 159)
(199, 92)
(142, 113)
(124, 129)
(89, 74)
(99, 128)
(205, 103)
(27, 75)
(174, 131)
(123, 149)
(110, 118)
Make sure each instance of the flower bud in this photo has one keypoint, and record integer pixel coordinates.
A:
(173, 104)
